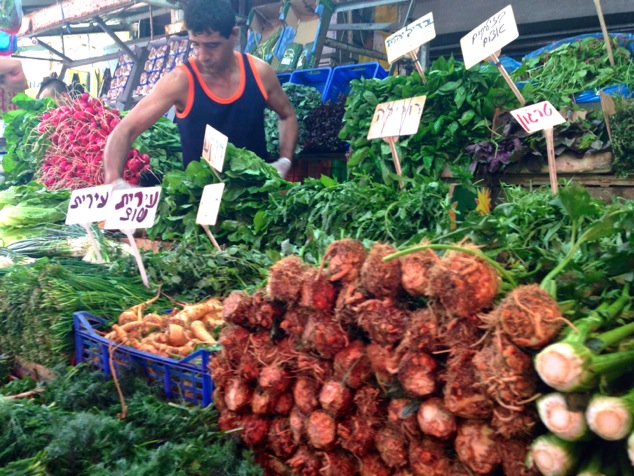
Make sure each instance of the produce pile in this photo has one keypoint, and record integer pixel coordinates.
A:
(397, 366)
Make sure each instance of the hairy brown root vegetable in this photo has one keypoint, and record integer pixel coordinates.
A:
(294, 322)
(280, 438)
(335, 398)
(234, 341)
(476, 446)
(221, 370)
(356, 434)
(321, 430)
(460, 332)
(255, 429)
(506, 372)
(529, 316)
(382, 279)
(513, 454)
(237, 307)
(238, 395)
(345, 258)
(263, 402)
(349, 298)
(274, 379)
(228, 420)
(515, 423)
(417, 374)
(263, 348)
(265, 311)
(422, 331)
(284, 404)
(249, 368)
(434, 419)
(304, 462)
(372, 465)
(383, 320)
(464, 283)
(401, 412)
(297, 421)
(337, 463)
(324, 336)
(352, 365)
(285, 279)
(462, 396)
(415, 269)
(218, 397)
(369, 402)
(305, 394)
(429, 458)
(392, 446)
(384, 362)
(317, 292)
(313, 367)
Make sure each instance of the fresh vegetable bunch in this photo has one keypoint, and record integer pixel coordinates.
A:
(77, 133)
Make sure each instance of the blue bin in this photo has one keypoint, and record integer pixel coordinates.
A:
(188, 378)
(316, 77)
(284, 77)
(341, 76)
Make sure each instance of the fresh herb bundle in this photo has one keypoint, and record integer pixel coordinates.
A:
(622, 125)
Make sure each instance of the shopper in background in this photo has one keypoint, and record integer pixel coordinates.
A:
(55, 89)
(218, 86)
(12, 82)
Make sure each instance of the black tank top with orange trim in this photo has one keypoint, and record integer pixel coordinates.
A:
(240, 117)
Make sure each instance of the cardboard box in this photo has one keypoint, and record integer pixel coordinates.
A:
(264, 22)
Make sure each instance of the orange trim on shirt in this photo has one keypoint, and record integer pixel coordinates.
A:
(190, 93)
(256, 75)
(218, 99)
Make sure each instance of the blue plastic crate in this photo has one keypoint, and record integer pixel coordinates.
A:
(339, 82)
(188, 378)
(284, 77)
(316, 77)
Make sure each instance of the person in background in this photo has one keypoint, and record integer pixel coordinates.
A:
(55, 89)
(12, 82)
(218, 86)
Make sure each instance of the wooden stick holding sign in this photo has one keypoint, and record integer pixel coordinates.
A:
(214, 150)
(604, 29)
(394, 119)
(407, 41)
(131, 209)
(208, 209)
(485, 42)
(86, 206)
(537, 117)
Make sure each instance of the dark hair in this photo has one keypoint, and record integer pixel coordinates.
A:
(54, 85)
(206, 16)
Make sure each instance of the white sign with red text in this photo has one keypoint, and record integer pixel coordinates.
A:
(538, 117)
(410, 38)
(132, 208)
(489, 37)
(88, 205)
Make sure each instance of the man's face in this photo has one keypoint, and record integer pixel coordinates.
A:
(212, 51)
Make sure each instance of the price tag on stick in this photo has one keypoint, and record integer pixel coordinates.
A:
(407, 40)
(131, 209)
(89, 205)
(208, 209)
(396, 118)
(537, 117)
(214, 147)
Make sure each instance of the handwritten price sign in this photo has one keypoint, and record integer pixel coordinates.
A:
(133, 208)
(214, 147)
(489, 37)
(410, 38)
(538, 117)
(397, 118)
(210, 204)
(88, 205)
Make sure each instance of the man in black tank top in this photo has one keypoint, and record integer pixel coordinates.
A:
(219, 87)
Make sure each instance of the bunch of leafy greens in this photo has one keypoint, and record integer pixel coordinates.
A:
(574, 67)
(25, 147)
(622, 125)
(303, 99)
(72, 428)
(458, 111)
(323, 125)
(163, 144)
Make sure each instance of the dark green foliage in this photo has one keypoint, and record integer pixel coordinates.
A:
(323, 125)
(622, 127)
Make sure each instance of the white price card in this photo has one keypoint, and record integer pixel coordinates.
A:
(538, 117)
(132, 208)
(397, 118)
(410, 38)
(489, 37)
(214, 147)
(210, 204)
(88, 205)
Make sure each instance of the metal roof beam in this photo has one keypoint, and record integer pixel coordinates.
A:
(114, 37)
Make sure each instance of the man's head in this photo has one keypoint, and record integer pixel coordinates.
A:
(208, 16)
(55, 89)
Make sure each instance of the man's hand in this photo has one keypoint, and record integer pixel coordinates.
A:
(283, 166)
